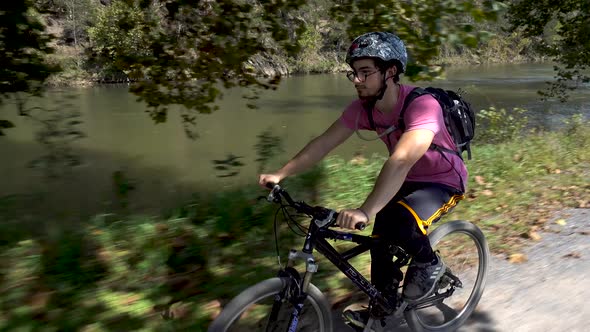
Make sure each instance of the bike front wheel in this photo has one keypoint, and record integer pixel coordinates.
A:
(464, 249)
(251, 310)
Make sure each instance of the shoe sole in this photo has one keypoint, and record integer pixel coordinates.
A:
(356, 323)
(353, 321)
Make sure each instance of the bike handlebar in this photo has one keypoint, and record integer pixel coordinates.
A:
(324, 217)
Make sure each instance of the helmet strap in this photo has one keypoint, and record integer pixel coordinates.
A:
(383, 88)
(370, 102)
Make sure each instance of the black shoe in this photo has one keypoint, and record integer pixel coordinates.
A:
(422, 278)
(357, 318)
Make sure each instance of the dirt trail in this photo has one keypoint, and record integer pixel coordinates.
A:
(547, 293)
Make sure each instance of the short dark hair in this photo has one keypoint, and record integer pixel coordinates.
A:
(384, 65)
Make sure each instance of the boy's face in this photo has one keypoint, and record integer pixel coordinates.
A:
(368, 78)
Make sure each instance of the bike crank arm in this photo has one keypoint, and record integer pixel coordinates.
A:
(432, 300)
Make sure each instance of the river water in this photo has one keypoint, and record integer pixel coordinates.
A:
(165, 166)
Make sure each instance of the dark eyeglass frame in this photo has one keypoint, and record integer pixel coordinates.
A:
(361, 76)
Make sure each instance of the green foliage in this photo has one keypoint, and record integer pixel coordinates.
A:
(23, 46)
(180, 52)
(79, 15)
(500, 125)
(156, 274)
(423, 25)
(311, 40)
(575, 125)
(562, 32)
(119, 27)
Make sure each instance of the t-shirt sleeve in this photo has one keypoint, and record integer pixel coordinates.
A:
(424, 113)
(351, 113)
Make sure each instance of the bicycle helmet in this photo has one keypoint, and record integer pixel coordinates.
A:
(382, 45)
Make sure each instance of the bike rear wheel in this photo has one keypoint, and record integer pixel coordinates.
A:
(251, 309)
(464, 249)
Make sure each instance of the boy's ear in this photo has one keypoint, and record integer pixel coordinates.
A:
(392, 71)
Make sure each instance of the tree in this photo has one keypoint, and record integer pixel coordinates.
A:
(78, 14)
(562, 32)
(424, 25)
(182, 51)
(190, 48)
(23, 47)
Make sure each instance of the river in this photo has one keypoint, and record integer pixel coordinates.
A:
(165, 166)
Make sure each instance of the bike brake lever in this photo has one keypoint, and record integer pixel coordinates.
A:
(327, 219)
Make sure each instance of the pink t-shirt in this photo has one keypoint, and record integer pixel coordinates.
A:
(423, 113)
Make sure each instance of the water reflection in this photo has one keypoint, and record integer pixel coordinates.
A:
(164, 163)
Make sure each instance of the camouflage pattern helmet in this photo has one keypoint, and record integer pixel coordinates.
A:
(382, 45)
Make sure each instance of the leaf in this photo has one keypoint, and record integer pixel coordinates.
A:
(561, 222)
(479, 180)
(213, 308)
(535, 236)
(487, 193)
(517, 258)
(531, 235)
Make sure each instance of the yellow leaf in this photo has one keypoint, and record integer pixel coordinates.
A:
(517, 258)
(535, 236)
(479, 180)
(561, 222)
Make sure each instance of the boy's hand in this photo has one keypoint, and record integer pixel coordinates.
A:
(263, 179)
(350, 217)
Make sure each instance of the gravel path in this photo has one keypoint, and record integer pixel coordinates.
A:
(547, 293)
(550, 291)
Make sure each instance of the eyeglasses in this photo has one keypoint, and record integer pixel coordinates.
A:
(362, 76)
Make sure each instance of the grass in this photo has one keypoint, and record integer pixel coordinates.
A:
(167, 273)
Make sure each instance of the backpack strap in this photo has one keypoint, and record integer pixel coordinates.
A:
(369, 109)
(415, 93)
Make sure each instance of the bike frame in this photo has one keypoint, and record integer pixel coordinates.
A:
(316, 238)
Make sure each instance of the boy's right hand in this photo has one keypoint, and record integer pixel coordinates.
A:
(263, 179)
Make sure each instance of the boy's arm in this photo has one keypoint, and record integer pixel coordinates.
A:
(312, 153)
(411, 147)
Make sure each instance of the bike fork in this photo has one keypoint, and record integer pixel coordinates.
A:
(296, 294)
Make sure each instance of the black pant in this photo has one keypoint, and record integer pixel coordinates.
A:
(404, 222)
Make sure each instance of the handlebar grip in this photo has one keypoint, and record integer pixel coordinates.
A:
(360, 226)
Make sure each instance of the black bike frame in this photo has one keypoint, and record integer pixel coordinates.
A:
(317, 239)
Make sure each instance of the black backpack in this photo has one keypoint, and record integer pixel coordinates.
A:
(458, 115)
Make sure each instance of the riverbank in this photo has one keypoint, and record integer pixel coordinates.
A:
(499, 49)
(172, 271)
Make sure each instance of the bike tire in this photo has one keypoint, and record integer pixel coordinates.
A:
(412, 316)
(268, 289)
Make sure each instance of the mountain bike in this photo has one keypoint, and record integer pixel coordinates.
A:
(290, 302)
